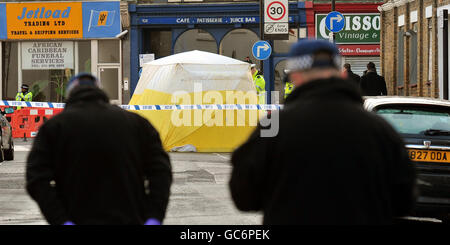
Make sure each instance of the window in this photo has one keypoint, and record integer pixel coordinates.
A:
(195, 39)
(400, 58)
(413, 55)
(430, 50)
(158, 42)
(414, 119)
(9, 70)
(108, 51)
(238, 44)
(84, 56)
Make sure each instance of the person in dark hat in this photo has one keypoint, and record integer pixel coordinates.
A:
(95, 163)
(24, 95)
(330, 162)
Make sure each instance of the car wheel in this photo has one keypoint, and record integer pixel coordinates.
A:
(9, 154)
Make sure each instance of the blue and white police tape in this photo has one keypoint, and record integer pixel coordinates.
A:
(270, 107)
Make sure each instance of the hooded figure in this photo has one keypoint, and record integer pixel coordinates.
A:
(95, 163)
(330, 162)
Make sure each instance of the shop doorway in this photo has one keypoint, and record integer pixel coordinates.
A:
(109, 77)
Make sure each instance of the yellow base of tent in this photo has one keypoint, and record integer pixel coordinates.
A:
(207, 130)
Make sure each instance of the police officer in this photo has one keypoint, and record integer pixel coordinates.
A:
(95, 163)
(289, 86)
(24, 95)
(260, 84)
(331, 162)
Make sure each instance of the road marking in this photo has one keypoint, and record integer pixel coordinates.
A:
(221, 156)
(22, 147)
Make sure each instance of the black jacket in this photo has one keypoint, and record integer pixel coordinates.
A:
(89, 165)
(354, 78)
(331, 162)
(373, 84)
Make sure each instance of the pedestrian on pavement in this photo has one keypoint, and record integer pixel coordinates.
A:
(350, 75)
(24, 95)
(95, 163)
(260, 84)
(373, 84)
(331, 162)
(248, 60)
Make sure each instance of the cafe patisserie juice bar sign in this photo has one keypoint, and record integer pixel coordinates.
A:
(59, 20)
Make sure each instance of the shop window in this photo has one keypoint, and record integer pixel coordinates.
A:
(238, 44)
(109, 51)
(430, 50)
(279, 81)
(400, 58)
(9, 70)
(84, 56)
(46, 67)
(283, 46)
(158, 42)
(195, 39)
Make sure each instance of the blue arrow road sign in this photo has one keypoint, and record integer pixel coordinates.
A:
(335, 21)
(261, 50)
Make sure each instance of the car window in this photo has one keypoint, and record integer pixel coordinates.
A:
(416, 120)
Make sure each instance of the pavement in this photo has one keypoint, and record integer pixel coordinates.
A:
(199, 194)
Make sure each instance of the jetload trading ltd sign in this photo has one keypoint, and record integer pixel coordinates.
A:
(59, 20)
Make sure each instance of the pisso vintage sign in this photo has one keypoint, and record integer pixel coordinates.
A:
(358, 29)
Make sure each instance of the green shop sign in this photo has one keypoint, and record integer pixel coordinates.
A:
(358, 29)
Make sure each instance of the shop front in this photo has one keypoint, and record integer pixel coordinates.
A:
(359, 41)
(43, 44)
(228, 29)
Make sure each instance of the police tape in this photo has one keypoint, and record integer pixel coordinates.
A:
(269, 107)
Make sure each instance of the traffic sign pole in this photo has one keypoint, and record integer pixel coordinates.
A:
(333, 8)
(261, 29)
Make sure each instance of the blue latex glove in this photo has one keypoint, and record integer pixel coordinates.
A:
(152, 221)
(68, 223)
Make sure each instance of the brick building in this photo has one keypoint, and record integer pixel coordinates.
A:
(412, 47)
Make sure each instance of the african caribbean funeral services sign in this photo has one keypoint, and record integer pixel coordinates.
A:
(47, 55)
(59, 20)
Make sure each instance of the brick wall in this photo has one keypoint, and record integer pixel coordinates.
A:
(389, 46)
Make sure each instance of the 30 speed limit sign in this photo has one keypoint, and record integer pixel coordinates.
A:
(276, 11)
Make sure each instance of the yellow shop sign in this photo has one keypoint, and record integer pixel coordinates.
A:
(57, 20)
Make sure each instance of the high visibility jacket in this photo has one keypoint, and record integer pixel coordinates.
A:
(260, 85)
(24, 97)
(288, 88)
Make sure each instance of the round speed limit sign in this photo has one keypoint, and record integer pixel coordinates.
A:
(276, 11)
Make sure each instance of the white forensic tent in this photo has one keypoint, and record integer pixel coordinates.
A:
(193, 78)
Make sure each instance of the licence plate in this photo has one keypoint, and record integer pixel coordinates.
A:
(429, 155)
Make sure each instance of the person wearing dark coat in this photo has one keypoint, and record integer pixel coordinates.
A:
(331, 162)
(95, 163)
(373, 84)
(351, 76)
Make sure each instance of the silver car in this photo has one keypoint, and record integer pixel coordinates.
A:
(424, 124)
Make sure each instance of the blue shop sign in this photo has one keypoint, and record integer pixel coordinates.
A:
(202, 20)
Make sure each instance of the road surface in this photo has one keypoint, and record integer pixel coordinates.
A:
(200, 194)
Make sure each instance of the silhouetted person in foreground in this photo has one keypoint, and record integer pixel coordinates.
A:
(331, 162)
(95, 163)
